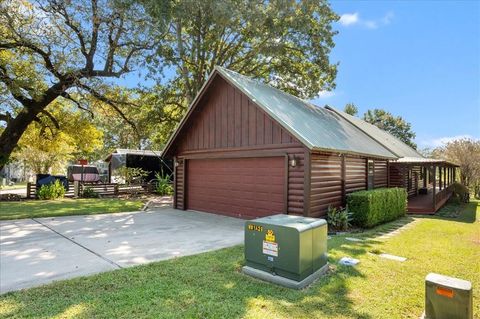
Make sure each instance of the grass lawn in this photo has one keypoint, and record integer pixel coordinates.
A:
(66, 207)
(210, 285)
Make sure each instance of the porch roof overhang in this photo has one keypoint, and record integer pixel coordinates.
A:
(422, 161)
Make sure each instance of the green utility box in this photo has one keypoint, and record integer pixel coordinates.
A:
(286, 249)
(447, 298)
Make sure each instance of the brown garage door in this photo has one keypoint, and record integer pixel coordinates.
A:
(240, 187)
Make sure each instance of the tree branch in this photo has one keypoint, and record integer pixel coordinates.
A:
(44, 54)
(9, 82)
(52, 118)
(108, 101)
(67, 96)
(6, 117)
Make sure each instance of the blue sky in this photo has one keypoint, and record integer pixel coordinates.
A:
(417, 59)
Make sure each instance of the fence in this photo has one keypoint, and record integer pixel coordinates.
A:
(76, 189)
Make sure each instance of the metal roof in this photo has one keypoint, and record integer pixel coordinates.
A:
(317, 128)
(390, 142)
(422, 160)
(125, 151)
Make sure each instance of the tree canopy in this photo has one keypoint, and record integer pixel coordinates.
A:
(351, 109)
(43, 148)
(284, 43)
(395, 125)
(51, 49)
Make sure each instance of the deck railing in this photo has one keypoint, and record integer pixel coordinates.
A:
(442, 196)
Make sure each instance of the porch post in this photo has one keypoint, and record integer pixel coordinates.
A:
(454, 174)
(444, 177)
(434, 186)
(425, 175)
(439, 178)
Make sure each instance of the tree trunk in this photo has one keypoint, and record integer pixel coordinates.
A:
(14, 131)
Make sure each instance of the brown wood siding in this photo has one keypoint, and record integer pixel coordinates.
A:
(179, 185)
(355, 174)
(296, 185)
(326, 183)
(398, 176)
(380, 175)
(226, 118)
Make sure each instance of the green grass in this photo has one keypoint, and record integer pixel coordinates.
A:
(66, 207)
(210, 285)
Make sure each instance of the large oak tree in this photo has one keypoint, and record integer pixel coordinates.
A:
(52, 49)
(285, 43)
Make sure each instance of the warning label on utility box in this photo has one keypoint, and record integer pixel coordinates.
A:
(270, 248)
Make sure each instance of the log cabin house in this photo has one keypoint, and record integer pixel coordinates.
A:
(246, 149)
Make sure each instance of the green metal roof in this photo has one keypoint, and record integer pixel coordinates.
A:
(389, 141)
(317, 128)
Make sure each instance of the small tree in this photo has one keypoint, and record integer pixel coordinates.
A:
(132, 174)
(395, 125)
(351, 109)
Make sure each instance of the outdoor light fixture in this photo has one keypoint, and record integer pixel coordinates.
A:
(293, 162)
(176, 164)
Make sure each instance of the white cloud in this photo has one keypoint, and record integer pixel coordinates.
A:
(387, 19)
(440, 141)
(325, 94)
(349, 19)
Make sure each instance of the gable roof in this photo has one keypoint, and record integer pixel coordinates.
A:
(315, 127)
(390, 142)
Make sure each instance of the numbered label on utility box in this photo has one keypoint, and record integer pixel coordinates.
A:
(270, 248)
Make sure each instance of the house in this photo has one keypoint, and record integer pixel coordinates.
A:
(246, 149)
(148, 160)
(427, 181)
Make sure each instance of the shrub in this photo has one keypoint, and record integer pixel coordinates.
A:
(338, 219)
(460, 193)
(51, 191)
(133, 175)
(163, 186)
(373, 207)
(88, 192)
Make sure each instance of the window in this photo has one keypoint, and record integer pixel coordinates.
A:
(371, 170)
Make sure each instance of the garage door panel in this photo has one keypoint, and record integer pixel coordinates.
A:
(244, 187)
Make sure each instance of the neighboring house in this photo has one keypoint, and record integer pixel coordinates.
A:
(15, 172)
(150, 161)
(246, 149)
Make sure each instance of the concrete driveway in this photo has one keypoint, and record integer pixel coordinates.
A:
(39, 251)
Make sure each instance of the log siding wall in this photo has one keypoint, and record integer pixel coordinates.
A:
(333, 176)
(355, 174)
(380, 174)
(326, 183)
(179, 200)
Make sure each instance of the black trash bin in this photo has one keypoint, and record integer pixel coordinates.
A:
(45, 179)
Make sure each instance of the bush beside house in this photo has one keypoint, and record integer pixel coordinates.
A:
(373, 207)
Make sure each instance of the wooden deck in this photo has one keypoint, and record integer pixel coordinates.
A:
(423, 204)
